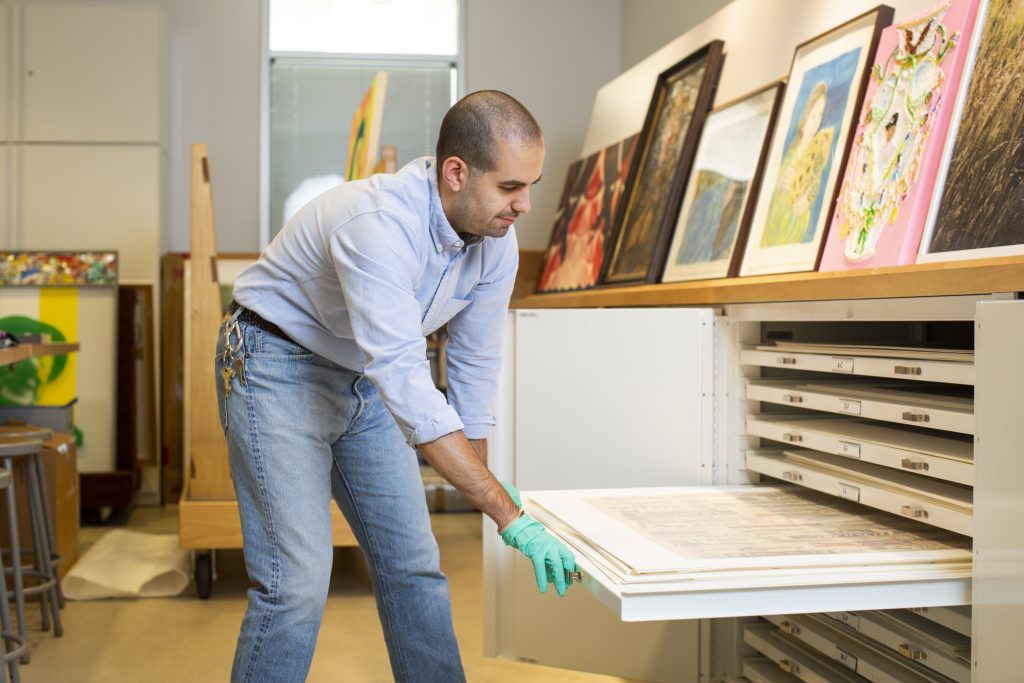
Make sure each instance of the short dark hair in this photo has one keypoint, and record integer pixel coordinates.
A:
(473, 126)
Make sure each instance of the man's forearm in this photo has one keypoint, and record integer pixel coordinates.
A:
(462, 464)
(480, 446)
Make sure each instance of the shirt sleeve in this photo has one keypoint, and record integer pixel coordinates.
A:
(476, 340)
(376, 261)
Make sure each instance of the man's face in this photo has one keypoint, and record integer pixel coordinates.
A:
(490, 201)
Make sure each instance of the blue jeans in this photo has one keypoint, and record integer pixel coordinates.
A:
(299, 430)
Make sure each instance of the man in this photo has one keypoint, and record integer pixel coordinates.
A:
(325, 390)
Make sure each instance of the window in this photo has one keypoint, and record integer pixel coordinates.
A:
(323, 55)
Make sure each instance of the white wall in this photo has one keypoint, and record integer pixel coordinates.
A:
(755, 55)
(552, 56)
(211, 95)
(649, 24)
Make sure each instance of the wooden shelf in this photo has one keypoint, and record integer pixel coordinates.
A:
(23, 351)
(978, 276)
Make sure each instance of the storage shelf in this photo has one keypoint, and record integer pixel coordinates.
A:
(977, 276)
(23, 351)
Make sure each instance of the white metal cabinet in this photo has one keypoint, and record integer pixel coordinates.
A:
(90, 73)
(999, 376)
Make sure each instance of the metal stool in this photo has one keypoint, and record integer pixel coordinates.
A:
(14, 646)
(22, 431)
(42, 569)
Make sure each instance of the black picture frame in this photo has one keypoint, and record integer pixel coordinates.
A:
(648, 211)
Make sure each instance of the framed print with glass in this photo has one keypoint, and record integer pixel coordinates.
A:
(584, 218)
(978, 212)
(810, 144)
(897, 151)
(681, 100)
(718, 201)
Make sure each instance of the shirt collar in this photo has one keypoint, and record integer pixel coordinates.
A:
(441, 231)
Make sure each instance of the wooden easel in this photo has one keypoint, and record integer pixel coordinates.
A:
(208, 511)
(209, 475)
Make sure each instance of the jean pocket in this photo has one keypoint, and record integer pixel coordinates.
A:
(272, 346)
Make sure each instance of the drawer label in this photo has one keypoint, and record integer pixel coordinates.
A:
(849, 406)
(842, 364)
(849, 492)
(846, 659)
(849, 449)
(848, 618)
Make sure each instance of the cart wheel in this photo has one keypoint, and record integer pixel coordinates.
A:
(204, 575)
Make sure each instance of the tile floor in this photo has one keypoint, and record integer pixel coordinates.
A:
(186, 639)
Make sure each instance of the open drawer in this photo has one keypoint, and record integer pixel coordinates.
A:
(706, 552)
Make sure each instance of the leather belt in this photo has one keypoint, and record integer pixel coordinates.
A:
(256, 320)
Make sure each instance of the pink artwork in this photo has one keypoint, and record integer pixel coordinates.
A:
(897, 153)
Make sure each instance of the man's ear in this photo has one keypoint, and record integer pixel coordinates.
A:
(455, 173)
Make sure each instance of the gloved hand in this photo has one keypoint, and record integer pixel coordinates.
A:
(551, 559)
(513, 492)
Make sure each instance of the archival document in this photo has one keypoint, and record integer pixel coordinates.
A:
(694, 529)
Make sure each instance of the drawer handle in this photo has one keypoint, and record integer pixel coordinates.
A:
(792, 476)
(792, 398)
(911, 464)
(789, 667)
(792, 438)
(790, 628)
(907, 370)
(914, 512)
(786, 360)
(911, 416)
(912, 652)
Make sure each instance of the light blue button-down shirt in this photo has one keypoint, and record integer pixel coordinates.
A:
(364, 272)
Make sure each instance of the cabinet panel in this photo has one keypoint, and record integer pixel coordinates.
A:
(999, 507)
(93, 197)
(612, 397)
(89, 73)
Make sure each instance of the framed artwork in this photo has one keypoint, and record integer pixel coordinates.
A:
(978, 212)
(364, 136)
(897, 151)
(584, 218)
(681, 100)
(58, 268)
(809, 145)
(719, 197)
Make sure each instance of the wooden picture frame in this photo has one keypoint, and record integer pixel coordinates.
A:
(810, 145)
(681, 101)
(718, 202)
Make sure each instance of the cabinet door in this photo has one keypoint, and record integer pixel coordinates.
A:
(573, 380)
(90, 73)
(999, 504)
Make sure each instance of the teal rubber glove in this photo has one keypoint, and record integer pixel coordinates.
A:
(551, 559)
(513, 492)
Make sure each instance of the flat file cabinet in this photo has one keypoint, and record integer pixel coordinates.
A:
(748, 394)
